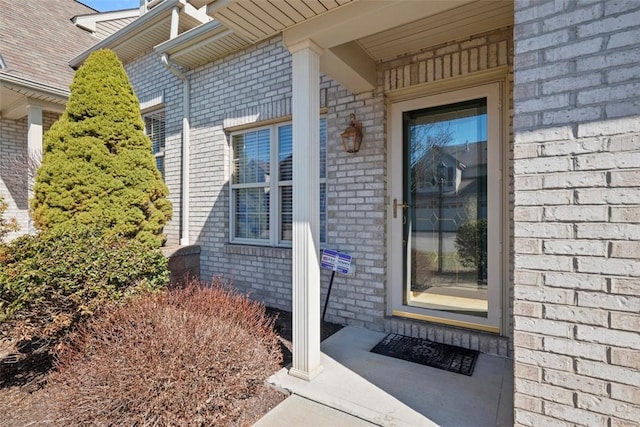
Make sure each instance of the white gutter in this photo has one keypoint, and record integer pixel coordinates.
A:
(186, 100)
(39, 89)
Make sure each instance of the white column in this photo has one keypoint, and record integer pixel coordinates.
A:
(34, 135)
(175, 20)
(306, 210)
(34, 148)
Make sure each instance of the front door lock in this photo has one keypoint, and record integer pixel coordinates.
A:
(397, 205)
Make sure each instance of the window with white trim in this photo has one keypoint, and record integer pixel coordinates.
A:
(155, 129)
(261, 185)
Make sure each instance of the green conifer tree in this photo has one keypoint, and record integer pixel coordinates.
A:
(98, 168)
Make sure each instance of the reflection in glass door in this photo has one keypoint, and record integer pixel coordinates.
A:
(445, 207)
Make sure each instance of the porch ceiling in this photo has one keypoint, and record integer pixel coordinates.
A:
(16, 94)
(259, 19)
(151, 29)
(454, 24)
(356, 34)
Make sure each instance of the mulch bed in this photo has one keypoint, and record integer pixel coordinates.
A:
(284, 324)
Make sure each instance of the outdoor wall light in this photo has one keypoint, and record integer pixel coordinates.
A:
(352, 135)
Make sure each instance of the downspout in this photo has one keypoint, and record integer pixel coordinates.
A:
(186, 89)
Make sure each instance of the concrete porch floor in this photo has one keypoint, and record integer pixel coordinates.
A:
(359, 387)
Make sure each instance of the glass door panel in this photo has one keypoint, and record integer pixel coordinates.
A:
(445, 215)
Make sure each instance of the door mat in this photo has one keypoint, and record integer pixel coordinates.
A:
(442, 356)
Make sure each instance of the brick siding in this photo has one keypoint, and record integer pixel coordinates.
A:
(256, 83)
(577, 192)
(149, 77)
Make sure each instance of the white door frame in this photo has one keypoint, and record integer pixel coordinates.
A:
(395, 286)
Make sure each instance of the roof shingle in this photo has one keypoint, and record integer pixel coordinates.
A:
(37, 39)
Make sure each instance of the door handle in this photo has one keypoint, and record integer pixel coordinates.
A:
(396, 205)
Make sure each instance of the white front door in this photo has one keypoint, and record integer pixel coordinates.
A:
(446, 208)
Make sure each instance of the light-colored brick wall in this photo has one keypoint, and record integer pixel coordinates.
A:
(356, 204)
(14, 183)
(149, 78)
(577, 213)
(256, 83)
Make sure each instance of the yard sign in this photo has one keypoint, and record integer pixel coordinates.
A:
(336, 262)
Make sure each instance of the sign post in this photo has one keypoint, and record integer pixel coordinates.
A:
(336, 262)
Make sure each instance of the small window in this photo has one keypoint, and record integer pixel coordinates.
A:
(251, 182)
(262, 185)
(155, 129)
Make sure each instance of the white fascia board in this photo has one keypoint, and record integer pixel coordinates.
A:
(158, 13)
(190, 38)
(22, 85)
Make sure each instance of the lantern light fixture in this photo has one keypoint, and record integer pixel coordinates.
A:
(352, 135)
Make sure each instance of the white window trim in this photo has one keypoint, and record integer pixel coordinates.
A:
(273, 185)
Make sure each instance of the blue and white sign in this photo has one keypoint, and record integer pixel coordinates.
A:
(335, 261)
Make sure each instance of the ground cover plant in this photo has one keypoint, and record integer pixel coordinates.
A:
(51, 281)
(98, 167)
(198, 355)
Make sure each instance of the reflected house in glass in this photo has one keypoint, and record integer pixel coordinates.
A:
(447, 194)
(464, 195)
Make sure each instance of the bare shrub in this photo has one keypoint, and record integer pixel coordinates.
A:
(190, 356)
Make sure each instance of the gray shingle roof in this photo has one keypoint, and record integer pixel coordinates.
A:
(37, 39)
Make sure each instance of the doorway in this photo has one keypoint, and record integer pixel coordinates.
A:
(446, 207)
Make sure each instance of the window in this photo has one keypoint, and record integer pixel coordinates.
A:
(154, 127)
(261, 186)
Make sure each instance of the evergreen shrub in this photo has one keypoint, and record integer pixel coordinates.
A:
(51, 281)
(98, 167)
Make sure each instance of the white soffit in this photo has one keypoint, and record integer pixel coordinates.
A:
(454, 24)
(17, 94)
(144, 33)
(202, 45)
(257, 20)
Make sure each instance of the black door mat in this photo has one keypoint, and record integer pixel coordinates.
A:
(442, 356)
